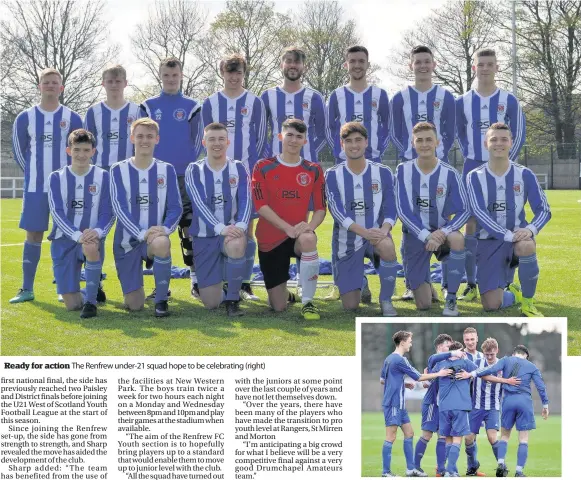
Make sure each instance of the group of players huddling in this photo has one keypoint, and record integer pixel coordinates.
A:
(139, 164)
(465, 389)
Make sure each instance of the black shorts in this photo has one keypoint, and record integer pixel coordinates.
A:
(186, 219)
(275, 263)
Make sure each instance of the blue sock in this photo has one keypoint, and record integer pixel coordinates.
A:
(453, 457)
(470, 451)
(386, 455)
(444, 265)
(502, 448)
(441, 454)
(448, 446)
(421, 446)
(471, 243)
(235, 269)
(161, 275)
(495, 449)
(30, 259)
(250, 253)
(521, 455)
(92, 278)
(387, 276)
(507, 299)
(408, 451)
(528, 274)
(456, 262)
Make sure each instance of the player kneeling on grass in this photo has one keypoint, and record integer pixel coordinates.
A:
(432, 204)
(517, 403)
(362, 203)
(147, 203)
(498, 191)
(219, 188)
(283, 187)
(80, 206)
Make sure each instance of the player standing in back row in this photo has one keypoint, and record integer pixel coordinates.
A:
(180, 143)
(283, 187)
(476, 111)
(358, 102)
(39, 142)
(243, 114)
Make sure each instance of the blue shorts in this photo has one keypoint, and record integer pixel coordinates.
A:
(395, 416)
(430, 417)
(130, 267)
(209, 259)
(490, 417)
(35, 212)
(416, 261)
(493, 261)
(67, 261)
(454, 423)
(469, 165)
(517, 408)
(348, 271)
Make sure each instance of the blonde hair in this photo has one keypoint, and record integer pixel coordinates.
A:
(489, 344)
(50, 71)
(147, 123)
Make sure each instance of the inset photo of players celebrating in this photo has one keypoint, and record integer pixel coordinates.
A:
(461, 399)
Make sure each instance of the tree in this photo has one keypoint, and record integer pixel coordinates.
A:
(454, 33)
(58, 34)
(253, 29)
(173, 29)
(324, 36)
(549, 61)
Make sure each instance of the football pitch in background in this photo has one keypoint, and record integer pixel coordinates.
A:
(544, 458)
(44, 327)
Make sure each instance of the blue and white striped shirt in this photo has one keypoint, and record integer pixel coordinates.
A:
(370, 107)
(485, 395)
(425, 202)
(78, 202)
(410, 106)
(306, 104)
(366, 199)
(112, 130)
(498, 202)
(219, 198)
(475, 113)
(142, 199)
(39, 142)
(245, 119)
(474, 357)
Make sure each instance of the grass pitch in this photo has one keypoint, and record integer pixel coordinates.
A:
(44, 327)
(544, 458)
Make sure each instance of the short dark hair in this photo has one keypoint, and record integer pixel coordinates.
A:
(401, 336)
(424, 126)
(80, 135)
(355, 49)
(499, 126)
(421, 49)
(442, 338)
(352, 127)
(231, 63)
(521, 349)
(215, 126)
(295, 123)
(296, 52)
(456, 346)
(486, 52)
(170, 62)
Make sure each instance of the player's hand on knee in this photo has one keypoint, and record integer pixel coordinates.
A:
(301, 228)
(290, 231)
(432, 245)
(521, 234)
(439, 236)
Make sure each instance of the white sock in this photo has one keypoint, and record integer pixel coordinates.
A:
(193, 276)
(309, 275)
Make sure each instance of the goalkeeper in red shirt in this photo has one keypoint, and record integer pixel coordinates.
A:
(283, 188)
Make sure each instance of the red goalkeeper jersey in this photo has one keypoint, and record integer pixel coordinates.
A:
(288, 189)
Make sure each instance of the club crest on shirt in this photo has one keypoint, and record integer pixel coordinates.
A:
(94, 188)
(375, 186)
(501, 108)
(305, 105)
(179, 114)
(130, 119)
(303, 179)
(161, 182)
(233, 181)
(244, 111)
(517, 188)
(437, 104)
(64, 124)
(440, 190)
(374, 103)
